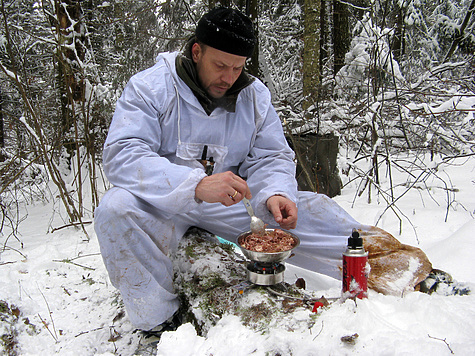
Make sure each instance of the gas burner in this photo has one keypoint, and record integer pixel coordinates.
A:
(265, 268)
(265, 273)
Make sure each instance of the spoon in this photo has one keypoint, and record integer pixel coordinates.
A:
(257, 225)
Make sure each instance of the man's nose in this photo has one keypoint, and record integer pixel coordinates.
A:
(228, 76)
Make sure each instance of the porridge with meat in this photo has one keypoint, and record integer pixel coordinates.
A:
(271, 241)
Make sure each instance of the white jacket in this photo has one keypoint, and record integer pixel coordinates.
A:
(159, 130)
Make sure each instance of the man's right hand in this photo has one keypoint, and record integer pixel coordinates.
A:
(225, 188)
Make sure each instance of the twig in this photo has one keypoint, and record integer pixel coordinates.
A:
(47, 327)
(113, 338)
(74, 263)
(55, 336)
(69, 225)
(462, 155)
(67, 260)
(444, 340)
(89, 331)
(87, 255)
(13, 249)
(6, 263)
(318, 332)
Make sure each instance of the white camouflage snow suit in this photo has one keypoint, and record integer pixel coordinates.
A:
(151, 157)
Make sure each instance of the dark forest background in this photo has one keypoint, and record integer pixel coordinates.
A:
(363, 87)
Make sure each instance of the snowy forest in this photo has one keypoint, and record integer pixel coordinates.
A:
(376, 98)
(383, 77)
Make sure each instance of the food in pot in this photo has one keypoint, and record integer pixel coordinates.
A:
(271, 241)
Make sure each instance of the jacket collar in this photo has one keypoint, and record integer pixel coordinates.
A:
(186, 70)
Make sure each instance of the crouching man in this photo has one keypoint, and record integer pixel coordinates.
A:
(190, 137)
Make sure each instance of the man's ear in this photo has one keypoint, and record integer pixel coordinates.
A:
(196, 52)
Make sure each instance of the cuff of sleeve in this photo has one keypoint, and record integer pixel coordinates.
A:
(261, 210)
(193, 179)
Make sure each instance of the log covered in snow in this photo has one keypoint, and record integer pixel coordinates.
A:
(210, 278)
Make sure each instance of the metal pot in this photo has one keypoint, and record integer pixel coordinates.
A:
(266, 256)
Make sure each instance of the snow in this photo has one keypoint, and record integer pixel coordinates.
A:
(459, 244)
(68, 306)
(457, 102)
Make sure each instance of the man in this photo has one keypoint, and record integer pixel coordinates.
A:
(200, 113)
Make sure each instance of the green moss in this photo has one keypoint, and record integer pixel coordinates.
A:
(190, 251)
(257, 316)
(9, 315)
(88, 280)
(212, 280)
(227, 247)
(3, 307)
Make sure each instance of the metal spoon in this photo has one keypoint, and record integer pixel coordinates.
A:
(257, 225)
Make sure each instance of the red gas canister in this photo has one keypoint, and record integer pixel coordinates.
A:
(355, 268)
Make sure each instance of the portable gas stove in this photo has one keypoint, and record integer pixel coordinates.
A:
(265, 268)
(265, 274)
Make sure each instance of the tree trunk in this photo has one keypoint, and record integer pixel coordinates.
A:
(317, 168)
(397, 46)
(253, 12)
(341, 34)
(459, 37)
(326, 35)
(71, 52)
(311, 53)
(2, 136)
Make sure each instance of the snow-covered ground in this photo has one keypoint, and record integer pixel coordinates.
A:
(57, 299)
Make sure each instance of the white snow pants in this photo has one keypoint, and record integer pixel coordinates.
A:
(135, 240)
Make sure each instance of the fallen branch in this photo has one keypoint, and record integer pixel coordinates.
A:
(444, 340)
(72, 224)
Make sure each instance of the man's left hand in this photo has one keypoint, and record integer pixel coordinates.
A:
(284, 211)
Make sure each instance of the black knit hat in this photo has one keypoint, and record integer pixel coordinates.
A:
(228, 30)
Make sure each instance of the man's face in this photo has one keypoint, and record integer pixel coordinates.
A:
(217, 70)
